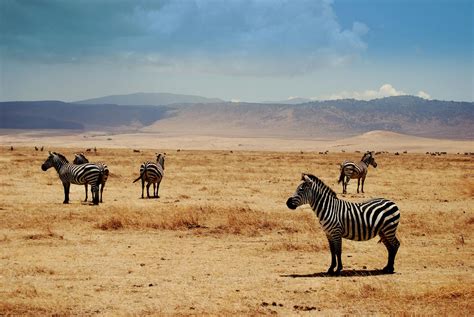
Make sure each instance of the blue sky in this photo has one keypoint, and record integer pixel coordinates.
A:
(244, 50)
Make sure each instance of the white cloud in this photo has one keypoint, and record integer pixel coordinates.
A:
(385, 90)
(423, 95)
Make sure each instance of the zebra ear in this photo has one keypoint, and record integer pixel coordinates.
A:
(305, 178)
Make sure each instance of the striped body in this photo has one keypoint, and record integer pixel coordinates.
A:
(81, 159)
(351, 170)
(344, 219)
(152, 173)
(81, 174)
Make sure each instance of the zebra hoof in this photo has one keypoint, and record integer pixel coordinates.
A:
(65, 202)
(388, 270)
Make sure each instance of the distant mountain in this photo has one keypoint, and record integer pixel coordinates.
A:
(316, 119)
(149, 99)
(290, 101)
(62, 115)
(402, 114)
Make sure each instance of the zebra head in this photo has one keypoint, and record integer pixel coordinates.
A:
(369, 159)
(302, 194)
(54, 159)
(160, 159)
(80, 158)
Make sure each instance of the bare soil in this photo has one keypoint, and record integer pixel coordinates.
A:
(220, 240)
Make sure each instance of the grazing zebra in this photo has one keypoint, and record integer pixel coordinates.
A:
(343, 219)
(359, 170)
(152, 173)
(88, 173)
(82, 159)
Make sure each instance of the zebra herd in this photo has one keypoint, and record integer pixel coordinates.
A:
(82, 172)
(338, 218)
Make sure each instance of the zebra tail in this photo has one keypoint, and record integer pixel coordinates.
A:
(341, 177)
(141, 175)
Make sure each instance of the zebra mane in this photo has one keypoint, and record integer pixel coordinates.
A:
(367, 154)
(320, 183)
(61, 157)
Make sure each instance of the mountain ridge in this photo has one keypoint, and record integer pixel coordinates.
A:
(402, 114)
(148, 99)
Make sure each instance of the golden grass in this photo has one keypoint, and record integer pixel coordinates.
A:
(220, 240)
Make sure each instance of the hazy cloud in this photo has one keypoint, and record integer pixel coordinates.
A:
(258, 37)
(385, 90)
(423, 95)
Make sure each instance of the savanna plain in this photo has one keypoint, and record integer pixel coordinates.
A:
(221, 241)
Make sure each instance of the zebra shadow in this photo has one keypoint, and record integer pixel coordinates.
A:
(345, 273)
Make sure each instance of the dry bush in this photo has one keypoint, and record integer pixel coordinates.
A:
(110, 224)
(49, 234)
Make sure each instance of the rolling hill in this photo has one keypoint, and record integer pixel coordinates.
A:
(148, 99)
(316, 119)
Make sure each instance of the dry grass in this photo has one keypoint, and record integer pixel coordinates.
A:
(220, 240)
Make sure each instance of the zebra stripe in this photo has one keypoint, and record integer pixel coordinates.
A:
(152, 173)
(344, 219)
(351, 170)
(75, 174)
(80, 158)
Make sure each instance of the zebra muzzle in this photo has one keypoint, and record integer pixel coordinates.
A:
(291, 204)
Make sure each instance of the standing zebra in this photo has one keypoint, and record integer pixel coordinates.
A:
(75, 174)
(82, 159)
(343, 219)
(350, 170)
(152, 173)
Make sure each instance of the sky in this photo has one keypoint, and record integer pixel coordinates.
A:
(239, 50)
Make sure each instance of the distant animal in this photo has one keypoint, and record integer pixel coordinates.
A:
(344, 219)
(136, 151)
(396, 153)
(152, 173)
(36, 148)
(11, 148)
(88, 150)
(88, 173)
(42, 148)
(351, 170)
(80, 158)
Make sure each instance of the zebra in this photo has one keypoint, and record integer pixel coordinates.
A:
(151, 172)
(88, 173)
(80, 158)
(344, 219)
(350, 170)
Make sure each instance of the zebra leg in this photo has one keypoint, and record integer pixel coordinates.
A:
(363, 181)
(85, 185)
(338, 246)
(346, 181)
(335, 244)
(154, 190)
(143, 186)
(392, 246)
(333, 257)
(157, 189)
(101, 190)
(66, 193)
(95, 194)
(148, 190)
(358, 183)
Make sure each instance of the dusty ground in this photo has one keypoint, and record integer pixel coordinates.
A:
(220, 240)
(374, 140)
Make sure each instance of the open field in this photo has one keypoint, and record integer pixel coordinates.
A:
(216, 140)
(221, 241)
